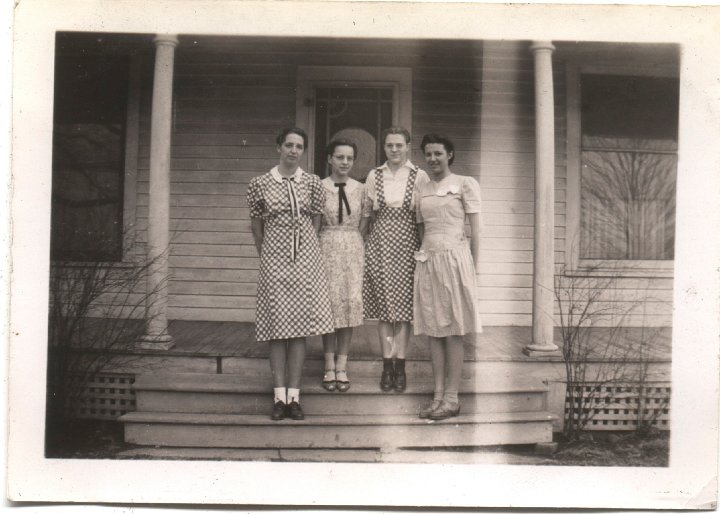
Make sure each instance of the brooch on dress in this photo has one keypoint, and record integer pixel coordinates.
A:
(421, 256)
(452, 189)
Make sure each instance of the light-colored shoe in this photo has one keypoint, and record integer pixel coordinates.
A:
(445, 410)
(425, 413)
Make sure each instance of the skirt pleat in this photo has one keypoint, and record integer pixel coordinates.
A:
(445, 294)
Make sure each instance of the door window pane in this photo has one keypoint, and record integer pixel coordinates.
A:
(629, 166)
(358, 114)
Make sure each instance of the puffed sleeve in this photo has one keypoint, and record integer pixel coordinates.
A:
(317, 196)
(369, 195)
(255, 198)
(471, 195)
(421, 179)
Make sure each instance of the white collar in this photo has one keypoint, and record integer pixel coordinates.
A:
(407, 165)
(275, 174)
(330, 185)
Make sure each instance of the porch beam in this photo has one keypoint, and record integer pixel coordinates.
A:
(544, 233)
(158, 246)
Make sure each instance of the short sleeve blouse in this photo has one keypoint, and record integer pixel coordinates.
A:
(468, 188)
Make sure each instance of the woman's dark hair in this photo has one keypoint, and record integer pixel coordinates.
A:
(396, 130)
(292, 130)
(330, 149)
(441, 140)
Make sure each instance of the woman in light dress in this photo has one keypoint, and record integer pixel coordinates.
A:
(292, 300)
(389, 262)
(445, 289)
(341, 243)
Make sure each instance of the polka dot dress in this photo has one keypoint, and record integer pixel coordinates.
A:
(390, 258)
(292, 298)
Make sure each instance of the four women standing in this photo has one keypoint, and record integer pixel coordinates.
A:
(401, 205)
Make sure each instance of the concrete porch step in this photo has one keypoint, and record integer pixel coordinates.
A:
(323, 431)
(233, 394)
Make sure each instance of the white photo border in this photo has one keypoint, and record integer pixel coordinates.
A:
(691, 479)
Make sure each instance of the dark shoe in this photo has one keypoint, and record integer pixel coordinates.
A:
(400, 381)
(445, 410)
(342, 383)
(279, 411)
(328, 381)
(387, 380)
(425, 413)
(295, 411)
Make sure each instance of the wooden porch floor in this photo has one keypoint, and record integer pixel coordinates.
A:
(232, 339)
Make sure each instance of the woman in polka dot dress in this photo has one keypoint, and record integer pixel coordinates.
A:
(292, 300)
(389, 252)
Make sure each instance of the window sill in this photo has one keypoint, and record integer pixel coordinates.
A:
(623, 269)
(82, 264)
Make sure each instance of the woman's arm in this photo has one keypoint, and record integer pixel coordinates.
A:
(364, 227)
(421, 230)
(317, 222)
(257, 225)
(475, 221)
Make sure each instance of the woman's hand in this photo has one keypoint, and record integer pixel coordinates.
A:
(257, 226)
(475, 229)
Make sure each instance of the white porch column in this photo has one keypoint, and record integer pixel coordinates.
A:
(543, 264)
(156, 335)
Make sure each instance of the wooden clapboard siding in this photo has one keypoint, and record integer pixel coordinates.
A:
(231, 95)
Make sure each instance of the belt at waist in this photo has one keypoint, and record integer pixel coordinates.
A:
(339, 228)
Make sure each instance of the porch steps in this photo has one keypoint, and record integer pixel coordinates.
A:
(232, 411)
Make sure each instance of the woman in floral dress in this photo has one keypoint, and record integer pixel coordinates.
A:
(389, 263)
(292, 300)
(445, 291)
(342, 247)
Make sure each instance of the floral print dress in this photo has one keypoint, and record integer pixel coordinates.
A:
(341, 245)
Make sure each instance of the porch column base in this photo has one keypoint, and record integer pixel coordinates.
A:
(161, 342)
(541, 350)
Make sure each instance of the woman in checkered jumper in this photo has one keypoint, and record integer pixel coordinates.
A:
(292, 300)
(389, 262)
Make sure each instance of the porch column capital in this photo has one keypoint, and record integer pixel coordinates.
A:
(166, 39)
(543, 322)
(158, 239)
(542, 46)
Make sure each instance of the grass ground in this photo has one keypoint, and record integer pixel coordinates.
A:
(91, 439)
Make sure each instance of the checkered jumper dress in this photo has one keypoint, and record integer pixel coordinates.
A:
(292, 297)
(390, 257)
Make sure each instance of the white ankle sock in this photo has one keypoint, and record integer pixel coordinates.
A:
(280, 394)
(293, 395)
(329, 361)
(341, 363)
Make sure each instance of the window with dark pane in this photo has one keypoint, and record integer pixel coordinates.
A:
(356, 113)
(88, 158)
(629, 166)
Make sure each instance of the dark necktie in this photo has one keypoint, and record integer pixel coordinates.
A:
(342, 199)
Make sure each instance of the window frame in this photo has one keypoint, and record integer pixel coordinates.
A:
(574, 265)
(309, 77)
